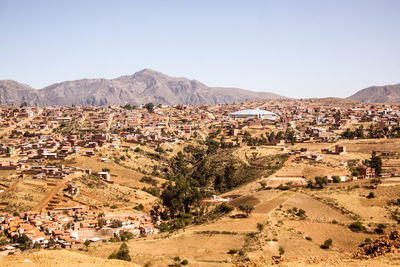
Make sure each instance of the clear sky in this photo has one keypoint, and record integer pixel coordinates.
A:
(298, 48)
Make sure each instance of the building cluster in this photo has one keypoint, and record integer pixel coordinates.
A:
(69, 227)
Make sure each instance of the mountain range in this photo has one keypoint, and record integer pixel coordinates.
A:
(142, 87)
(378, 94)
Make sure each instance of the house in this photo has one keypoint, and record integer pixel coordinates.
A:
(104, 175)
(90, 153)
(367, 172)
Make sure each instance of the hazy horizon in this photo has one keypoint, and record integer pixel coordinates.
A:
(298, 49)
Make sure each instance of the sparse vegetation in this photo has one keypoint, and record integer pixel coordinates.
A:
(357, 227)
(247, 209)
(327, 244)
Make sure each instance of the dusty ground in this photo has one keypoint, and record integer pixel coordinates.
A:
(58, 258)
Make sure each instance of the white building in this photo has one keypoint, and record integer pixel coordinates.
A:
(254, 114)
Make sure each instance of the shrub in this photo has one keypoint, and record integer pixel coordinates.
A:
(160, 150)
(281, 251)
(126, 236)
(380, 229)
(367, 240)
(394, 202)
(139, 207)
(164, 227)
(357, 227)
(155, 191)
(375, 181)
(232, 251)
(371, 195)
(336, 179)
(308, 238)
(3, 242)
(263, 184)
(185, 262)
(301, 213)
(148, 180)
(223, 208)
(327, 244)
(283, 187)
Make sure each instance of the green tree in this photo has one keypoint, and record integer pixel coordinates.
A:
(260, 227)
(121, 254)
(376, 163)
(179, 198)
(247, 209)
(149, 107)
(357, 227)
(321, 181)
(87, 243)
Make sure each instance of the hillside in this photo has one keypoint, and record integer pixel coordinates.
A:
(59, 258)
(142, 87)
(378, 94)
(15, 93)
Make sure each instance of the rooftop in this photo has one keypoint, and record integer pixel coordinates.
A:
(253, 112)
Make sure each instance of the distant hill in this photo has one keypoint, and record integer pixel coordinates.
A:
(142, 87)
(378, 94)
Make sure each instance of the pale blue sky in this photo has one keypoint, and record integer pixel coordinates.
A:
(294, 48)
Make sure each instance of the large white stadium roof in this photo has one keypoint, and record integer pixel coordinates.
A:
(253, 112)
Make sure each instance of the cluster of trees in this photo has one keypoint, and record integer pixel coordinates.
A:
(181, 197)
(246, 209)
(219, 211)
(149, 180)
(129, 107)
(288, 136)
(149, 107)
(23, 241)
(319, 182)
(29, 134)
(357, 227)
(371, 132)
(198, 170)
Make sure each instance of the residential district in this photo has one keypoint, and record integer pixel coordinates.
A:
(72, 174)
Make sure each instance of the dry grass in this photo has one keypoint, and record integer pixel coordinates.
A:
(58, 258)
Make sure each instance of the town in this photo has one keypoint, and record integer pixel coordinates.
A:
(74, 176)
